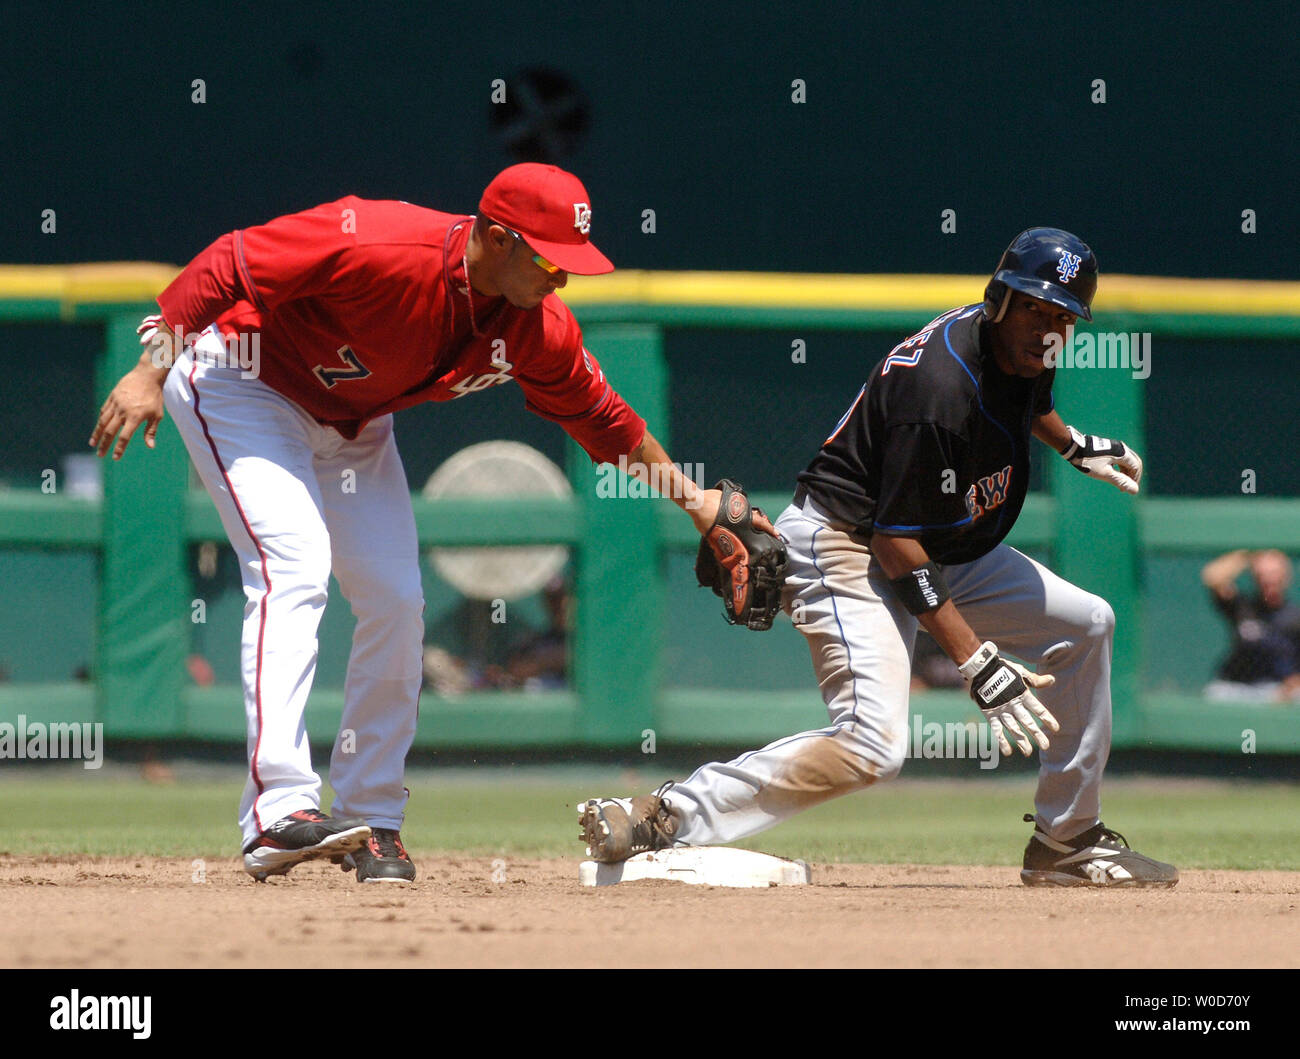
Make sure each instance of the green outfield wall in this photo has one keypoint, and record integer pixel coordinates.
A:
(112, 580)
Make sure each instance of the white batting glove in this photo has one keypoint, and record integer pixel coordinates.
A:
(1095, 456)
(161, 343)
(1001, 689)
(149, 328)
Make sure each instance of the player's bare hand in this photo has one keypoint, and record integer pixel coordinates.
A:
(1001, 689)
(137, 397)
(1111, 461)
(704, 509)
(704, 512)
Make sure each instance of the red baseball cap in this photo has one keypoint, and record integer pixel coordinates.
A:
(551, 210)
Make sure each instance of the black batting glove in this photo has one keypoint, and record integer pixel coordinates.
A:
(1095, 456)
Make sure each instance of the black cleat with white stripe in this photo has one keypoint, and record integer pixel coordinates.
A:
(1098, 857)
(307, 834)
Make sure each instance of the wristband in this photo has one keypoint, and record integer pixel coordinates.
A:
(982, 657)
(923, 590)
(1082, 448)
(1077, 441)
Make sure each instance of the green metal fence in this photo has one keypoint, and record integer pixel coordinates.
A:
(147, 519)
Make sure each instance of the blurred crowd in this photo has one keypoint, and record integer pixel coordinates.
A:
(1263, 662)
(464, 655)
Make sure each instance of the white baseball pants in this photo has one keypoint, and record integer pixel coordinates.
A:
(861, 639)
(297, 499)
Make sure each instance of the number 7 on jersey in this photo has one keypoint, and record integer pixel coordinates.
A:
(354, 370)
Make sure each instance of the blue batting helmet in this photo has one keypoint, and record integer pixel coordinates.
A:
(1044, 263)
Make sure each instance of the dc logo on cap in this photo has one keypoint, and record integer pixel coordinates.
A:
(1068, 266)
(582, 217)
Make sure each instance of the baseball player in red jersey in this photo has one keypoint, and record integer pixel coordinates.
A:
(357, 309)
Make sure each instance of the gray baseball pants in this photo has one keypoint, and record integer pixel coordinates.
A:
(861, 639)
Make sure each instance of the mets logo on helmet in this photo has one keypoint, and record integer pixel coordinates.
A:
(582, 217)
(1068, 266)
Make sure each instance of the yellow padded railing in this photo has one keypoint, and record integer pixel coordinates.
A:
(126, 281)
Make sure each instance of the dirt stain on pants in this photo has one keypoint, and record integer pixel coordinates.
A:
(820, 770)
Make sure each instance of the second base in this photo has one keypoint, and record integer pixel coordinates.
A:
(700, 866)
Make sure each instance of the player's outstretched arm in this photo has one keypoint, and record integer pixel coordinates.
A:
(137, 397)
(650, 463)
(1111, 461)
(1000, 687)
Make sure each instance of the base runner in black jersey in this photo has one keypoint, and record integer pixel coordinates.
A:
(899, 520)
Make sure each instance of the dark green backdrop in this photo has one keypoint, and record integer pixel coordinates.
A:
(911, 109)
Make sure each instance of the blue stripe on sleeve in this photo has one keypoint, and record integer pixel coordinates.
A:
(916, 529)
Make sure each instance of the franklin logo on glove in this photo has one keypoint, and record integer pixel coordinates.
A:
(993, 688)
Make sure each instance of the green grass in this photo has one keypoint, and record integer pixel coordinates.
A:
(1195, 824)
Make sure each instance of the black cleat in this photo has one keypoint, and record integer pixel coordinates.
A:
(1098, 857)
(307, 834)
(382, 858)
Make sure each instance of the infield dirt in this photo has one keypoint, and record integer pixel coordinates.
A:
(102, 912)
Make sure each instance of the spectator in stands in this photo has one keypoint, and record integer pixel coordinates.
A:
(462, 655)
(541, 659)
(1264, 662)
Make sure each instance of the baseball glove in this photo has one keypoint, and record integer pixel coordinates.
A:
(743, 560)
